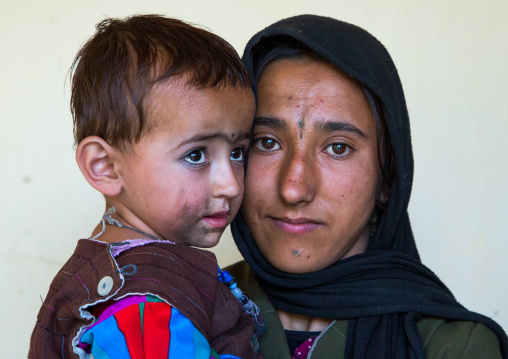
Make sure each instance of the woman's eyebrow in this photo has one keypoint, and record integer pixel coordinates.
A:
(331, 126)
(269, 122)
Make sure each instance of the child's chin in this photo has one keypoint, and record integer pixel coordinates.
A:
(209, 241)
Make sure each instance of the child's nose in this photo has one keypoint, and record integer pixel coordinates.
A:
(226, 183)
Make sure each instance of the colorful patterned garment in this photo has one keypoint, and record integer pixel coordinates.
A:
(145, 327)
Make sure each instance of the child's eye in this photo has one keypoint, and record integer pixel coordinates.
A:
(195, 157)
(267, 144)
(237, 154)
(339, 150)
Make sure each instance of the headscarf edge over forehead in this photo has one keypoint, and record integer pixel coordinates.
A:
(398, 288)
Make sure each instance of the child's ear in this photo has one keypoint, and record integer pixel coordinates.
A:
(97, 161)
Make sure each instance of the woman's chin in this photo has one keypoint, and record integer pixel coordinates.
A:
(301, 269)
(298, 262)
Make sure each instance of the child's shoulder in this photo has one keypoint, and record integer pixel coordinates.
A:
(184, 277)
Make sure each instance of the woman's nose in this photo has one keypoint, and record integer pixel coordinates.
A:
(225, 181)
(297, 179)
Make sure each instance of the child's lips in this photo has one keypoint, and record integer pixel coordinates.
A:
(217, 220)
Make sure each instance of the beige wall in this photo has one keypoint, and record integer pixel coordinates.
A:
(453, 61)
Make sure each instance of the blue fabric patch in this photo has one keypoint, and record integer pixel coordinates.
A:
(181, 330)
(107, 338)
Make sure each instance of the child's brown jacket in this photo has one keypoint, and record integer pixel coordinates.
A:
(185, 277)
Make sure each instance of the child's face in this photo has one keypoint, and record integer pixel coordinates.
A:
(183, 181)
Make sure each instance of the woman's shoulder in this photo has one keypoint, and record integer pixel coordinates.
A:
(239, 269)
(457, 339)
(244, 277)
(441, 338)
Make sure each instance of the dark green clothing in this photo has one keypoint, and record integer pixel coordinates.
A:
(441, 338)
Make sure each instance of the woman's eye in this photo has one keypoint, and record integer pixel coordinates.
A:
(237, 154)
(267, 144)
(339, 150)
(195, 157)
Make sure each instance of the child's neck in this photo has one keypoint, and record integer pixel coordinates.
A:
(111, 229)
(114, 234)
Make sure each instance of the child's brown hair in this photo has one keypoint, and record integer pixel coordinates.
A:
(115, 70)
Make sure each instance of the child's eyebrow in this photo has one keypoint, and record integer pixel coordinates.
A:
(217, 135)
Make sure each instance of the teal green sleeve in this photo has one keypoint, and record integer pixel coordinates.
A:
(455, 339)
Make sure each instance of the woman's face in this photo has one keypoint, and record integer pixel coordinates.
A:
(313, 169)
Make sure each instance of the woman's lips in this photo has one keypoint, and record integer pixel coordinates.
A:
(296, 226)
(217, 220)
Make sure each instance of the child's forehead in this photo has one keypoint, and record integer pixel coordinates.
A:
(180, 107)
(174, 91)
(177, 92)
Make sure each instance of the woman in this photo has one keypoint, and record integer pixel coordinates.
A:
(330, 256)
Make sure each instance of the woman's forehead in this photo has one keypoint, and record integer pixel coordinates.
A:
(304, 91)
(306, 77)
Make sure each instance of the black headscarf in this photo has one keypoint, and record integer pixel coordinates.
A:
(384, 291)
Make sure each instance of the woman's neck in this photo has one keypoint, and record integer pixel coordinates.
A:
(291, 321)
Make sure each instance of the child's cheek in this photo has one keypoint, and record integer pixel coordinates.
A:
(193, 201)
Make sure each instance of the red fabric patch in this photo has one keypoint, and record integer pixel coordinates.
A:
(156, 334)
(129, 323)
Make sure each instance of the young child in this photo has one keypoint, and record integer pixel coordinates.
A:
(162, 115)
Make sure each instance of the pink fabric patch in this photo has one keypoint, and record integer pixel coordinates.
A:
(117, 249)
(303, 350)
